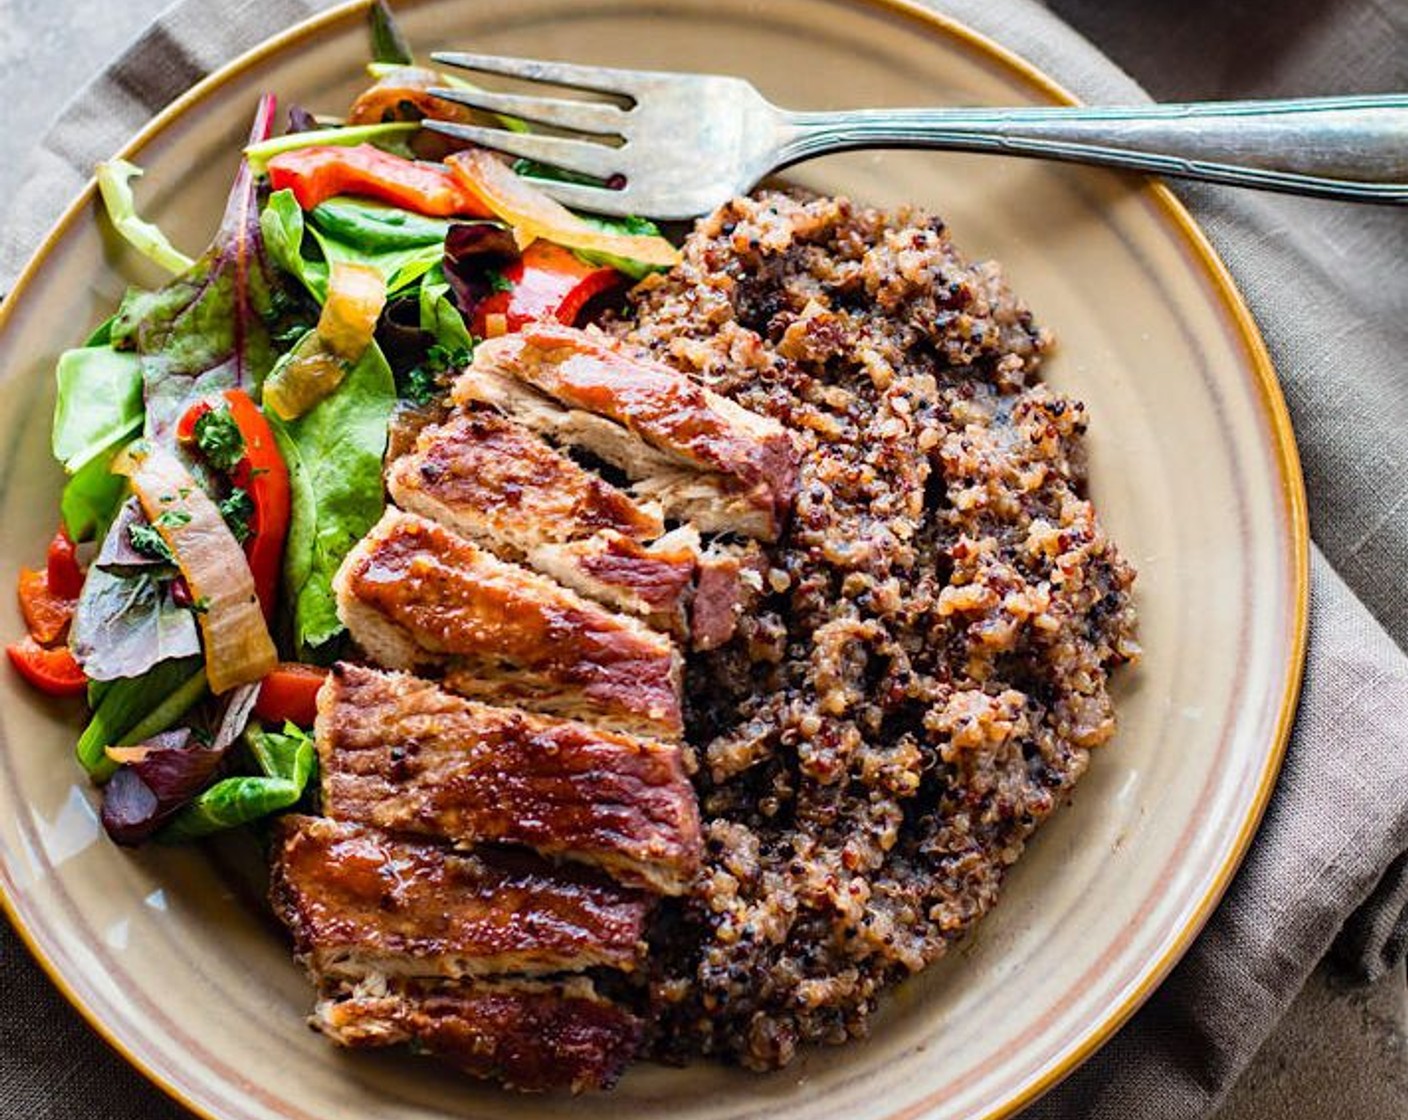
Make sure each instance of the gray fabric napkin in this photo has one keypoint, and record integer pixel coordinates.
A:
(1329, 286)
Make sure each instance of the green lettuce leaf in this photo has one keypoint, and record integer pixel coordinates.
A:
(114, 184)
(286, 761)
(333, 452)
(98, 409)
(282, 226)
(99, 404)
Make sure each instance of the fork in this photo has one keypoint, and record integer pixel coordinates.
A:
(685, 143)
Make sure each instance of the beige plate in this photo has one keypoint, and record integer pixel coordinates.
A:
(1193, 467)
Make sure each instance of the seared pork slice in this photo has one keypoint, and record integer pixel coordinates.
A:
(489, 478)
(708, 450)
(413, 593)
(709, 500)
(652, 581)
(360, 901)
(529, 1035)
(403, 754)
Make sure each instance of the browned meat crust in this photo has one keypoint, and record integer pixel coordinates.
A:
(666, 410)
(486, 477)
(413, 593)
(529, 1035)
(405, 755)
(360, 901)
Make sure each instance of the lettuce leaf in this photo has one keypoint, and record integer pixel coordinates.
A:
(99, 403)
(214, 326)
(333, 452)
(99, 408)
(114, 184)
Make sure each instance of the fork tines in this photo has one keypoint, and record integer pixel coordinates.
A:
(595, 118)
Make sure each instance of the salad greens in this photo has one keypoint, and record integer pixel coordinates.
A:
(125, 714)
(213, 326)
(388, 43)
(333, 452)
(286, 761)
(114, 183)
(400, 245)
(98, 409)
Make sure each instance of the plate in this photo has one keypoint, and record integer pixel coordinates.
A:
(173, 958)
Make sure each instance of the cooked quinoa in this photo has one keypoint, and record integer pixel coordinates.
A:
(925, 669)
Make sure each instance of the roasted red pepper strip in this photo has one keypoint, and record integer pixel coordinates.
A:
(50, 670)
(65, 574)
(45, 614)
(319, 173)
(290, 693)
(186, 427)
(261, 473)
(549, 282)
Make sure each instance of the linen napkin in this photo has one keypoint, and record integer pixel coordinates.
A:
(1329, 287)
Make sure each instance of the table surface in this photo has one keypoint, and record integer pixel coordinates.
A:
(1342, 1051)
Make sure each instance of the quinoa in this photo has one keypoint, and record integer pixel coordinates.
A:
(924, 670)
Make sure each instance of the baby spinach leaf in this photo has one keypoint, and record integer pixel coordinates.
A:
(333, 452)
(286, 760)
(439, 316)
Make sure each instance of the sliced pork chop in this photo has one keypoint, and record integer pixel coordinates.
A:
(491, 479)
(413, 593)
(530, 1035)
(403, 754)
(359, 901)
(704, 457)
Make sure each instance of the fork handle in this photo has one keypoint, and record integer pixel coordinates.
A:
(1352, 148)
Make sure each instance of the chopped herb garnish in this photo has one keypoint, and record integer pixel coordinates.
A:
(237, 510)
(498, 282)
(149, 542)
(173, 519)
(219, 439)
(425, 382)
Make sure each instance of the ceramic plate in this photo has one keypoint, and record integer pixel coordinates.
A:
(172, 955)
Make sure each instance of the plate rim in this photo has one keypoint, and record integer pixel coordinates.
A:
(1274, 410)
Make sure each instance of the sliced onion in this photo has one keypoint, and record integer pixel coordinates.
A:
(532, 214)
(238, 649)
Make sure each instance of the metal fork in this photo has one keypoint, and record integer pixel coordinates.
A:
(687, 142)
